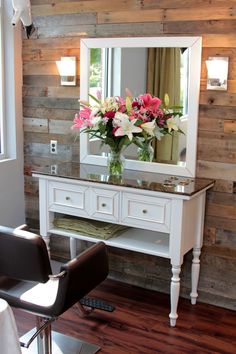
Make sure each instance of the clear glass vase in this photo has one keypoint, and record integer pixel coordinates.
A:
(146, 151)
(115, 163)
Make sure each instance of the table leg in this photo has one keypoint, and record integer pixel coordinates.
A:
(174, 294)
(195, 274)
(73, 247)
(197, 246)
(76, 247)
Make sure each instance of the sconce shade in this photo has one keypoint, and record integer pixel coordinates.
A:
(67, 70)
(217, 73)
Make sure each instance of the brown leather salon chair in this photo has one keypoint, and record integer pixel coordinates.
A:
(27, 283)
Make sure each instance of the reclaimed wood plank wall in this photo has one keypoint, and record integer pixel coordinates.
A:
(49, 109)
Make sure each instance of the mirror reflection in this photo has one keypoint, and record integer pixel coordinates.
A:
(158, 71)
(155, 65)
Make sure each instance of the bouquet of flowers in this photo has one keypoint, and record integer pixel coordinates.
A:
(110, 120)
(118, 121)
(155, 119)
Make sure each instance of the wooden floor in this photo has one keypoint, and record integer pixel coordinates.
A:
(140, 325)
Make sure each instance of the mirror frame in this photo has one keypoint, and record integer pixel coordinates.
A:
(195, 45)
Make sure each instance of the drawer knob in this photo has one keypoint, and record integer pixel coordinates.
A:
(144, 211)
(67, 198)
(103, 205)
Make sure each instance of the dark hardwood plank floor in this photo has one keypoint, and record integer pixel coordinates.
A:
(139, 324)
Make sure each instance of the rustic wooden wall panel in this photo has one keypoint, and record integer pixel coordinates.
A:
(230, 126)
(200, 26)
(49, 110)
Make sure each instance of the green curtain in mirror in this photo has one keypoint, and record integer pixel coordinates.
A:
(163, 76)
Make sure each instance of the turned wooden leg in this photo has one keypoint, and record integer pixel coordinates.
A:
(72, 247)
(174, 294)
(195, 274)
(76, 247)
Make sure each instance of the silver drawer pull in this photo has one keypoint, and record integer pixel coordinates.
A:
(145, 211)
(103, 205)
(67, 198)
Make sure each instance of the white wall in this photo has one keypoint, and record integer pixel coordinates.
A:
(12, 206)
(129, 70)
(133, 70)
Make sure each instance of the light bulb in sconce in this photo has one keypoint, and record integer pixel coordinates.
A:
(217, 73)
(67, 70)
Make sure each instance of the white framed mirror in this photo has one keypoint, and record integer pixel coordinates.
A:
(127, 69)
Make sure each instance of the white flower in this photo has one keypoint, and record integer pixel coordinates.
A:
(158, 133)
(95, 121)
(173, 123)
(119, 118)
(109, 104)
(94, 111)
(149, 127)
(126, 126)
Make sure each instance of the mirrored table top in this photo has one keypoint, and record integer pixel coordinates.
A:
(135, 179)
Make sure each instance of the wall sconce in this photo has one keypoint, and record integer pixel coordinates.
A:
(217, 73)
(67, 70)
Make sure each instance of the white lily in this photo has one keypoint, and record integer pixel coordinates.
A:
(173, 123)
(95, 111)
(158, 133)
(95, 120)
(119, 118)
(149, 127)
(127, 127)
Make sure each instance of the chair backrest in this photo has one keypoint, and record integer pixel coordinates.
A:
(82, 274)
(23, 255)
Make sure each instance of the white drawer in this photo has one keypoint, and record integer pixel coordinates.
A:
(146, 212)
(104, 204)
(68, 198)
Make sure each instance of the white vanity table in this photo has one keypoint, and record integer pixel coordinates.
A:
(163, 210)
(165, 214)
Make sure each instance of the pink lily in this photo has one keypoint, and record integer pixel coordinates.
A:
(149, 102)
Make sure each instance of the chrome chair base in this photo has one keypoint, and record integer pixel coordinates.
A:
(61, 344)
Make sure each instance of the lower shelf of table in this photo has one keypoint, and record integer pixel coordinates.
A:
(133, 239)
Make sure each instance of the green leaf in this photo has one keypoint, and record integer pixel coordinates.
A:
(95, 98)
(137, 142)
(181, 131)
(176, 107)
(138, 122)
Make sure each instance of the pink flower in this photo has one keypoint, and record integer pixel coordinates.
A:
(82, 119)
(149, 102)
(78, 122)
(114, 130)
(85, 113)
(121, 100)
(122, 109)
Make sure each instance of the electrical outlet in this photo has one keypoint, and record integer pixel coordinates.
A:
(53, 146)
(53, 169)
